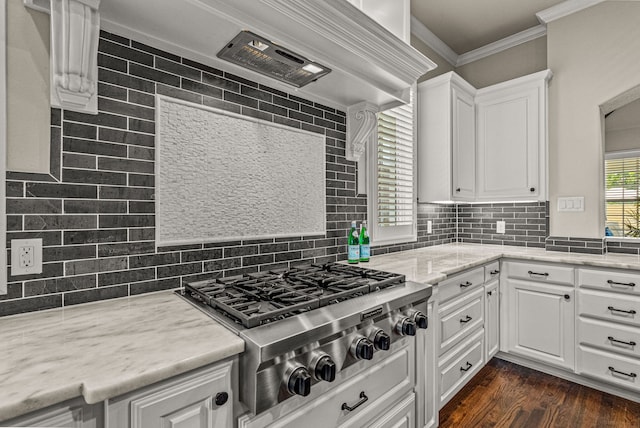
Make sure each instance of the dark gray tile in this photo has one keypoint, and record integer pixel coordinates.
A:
(154, 75)
(112, 63)
(19, 306)
(125, 165)
(179, 270)
(177, 68)
(70, 129)
(240, 99)
(156, 285)
(139, 125)
(73, 160)
(181, 94)
(120, 221)
(126, 109)
(94, 177)
(95, 265)
(220, 82)
(58, 222)
(95, 147)
(111, 91)
(92, 295)
(58, 285)
(48, 237)
(142, 153)
(301, 117)
(124, 249)
(141, 180)
(154, 51)
(202, 67)
(141, 98)
(68, 252)
(134, 193)
(124, 137)
(141, 207)
(154, 260)
(120, 79)
(33, 206)
(200, 255)
(94, 236)
(14, 189)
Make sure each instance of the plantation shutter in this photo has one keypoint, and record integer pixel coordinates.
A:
(622, 177)
(395, 167)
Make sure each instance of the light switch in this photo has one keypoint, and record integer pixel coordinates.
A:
(571, 203)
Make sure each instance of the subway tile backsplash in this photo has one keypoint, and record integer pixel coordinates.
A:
(95, 211)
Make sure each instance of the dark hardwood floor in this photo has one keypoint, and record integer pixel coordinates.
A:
(503, 394)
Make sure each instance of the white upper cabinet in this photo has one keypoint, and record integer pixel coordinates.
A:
(394, 15)
(482, 145)
(446, 139)
(512, 139)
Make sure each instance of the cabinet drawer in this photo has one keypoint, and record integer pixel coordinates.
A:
(459, 284)
(460, 318)
(612, 368)
(624, 282)
(541, 272)
(459, 365)
(491, 271)
(612, 337)
(609, 306)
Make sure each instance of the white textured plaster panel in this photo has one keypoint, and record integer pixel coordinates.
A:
(223, 176)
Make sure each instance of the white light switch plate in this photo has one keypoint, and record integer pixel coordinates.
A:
(26, 256)
(571, 203)
(429, 226)
(500, 226)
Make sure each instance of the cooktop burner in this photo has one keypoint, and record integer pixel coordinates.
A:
(258, 298)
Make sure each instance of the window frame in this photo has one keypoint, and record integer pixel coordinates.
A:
(622, 154)
(391, 235)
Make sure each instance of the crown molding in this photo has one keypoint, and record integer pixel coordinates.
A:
(419, 30)
(502, 44)
(563, 9)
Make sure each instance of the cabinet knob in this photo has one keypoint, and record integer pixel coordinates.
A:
(533, 189)
(221, 398)
(567, 297)
(458, 189)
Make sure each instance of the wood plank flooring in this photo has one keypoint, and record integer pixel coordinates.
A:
(503, 394)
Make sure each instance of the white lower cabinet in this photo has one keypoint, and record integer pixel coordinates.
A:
(491, 319)
(199, 400)
(538, 316)
(459, 365)
(73, 414)
(402, 415)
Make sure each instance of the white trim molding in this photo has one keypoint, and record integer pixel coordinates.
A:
(563, 9)
(3, 143)
(361, 125)
(502, 45)
(419, 30)
(75, 29)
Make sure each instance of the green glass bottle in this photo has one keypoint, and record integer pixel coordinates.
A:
(353, 244)
(365, 249)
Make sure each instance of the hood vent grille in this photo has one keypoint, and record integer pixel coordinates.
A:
(253, 52)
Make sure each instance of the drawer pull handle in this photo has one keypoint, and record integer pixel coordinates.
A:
(494, 272)
(466, 319)
(631, 375)
(613, 339)
(466, 284)
(612, 309)
(545, 274)
(489, 293)
(628, 284)
(466, 369)
(567, 297)
(363, 399)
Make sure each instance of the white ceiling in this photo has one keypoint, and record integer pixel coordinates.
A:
(465, 25)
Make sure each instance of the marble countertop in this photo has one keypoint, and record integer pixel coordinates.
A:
(433, 264)
(103, 349)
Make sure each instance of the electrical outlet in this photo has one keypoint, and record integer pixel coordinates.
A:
(500, 226)
(429, 226)
(26, 256)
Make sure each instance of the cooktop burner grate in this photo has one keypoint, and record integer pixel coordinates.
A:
(258, 298)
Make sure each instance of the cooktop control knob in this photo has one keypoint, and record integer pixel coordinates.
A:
(299, 382)
(420, 319)
(325, 369)
(362, 348)
(406, 327)
(381, 340)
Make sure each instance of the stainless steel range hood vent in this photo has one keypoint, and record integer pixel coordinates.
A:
(255, 53)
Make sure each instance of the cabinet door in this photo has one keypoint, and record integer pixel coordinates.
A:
(187, 404)
(540, 322)
(491, 316)
(463, 145)
(508, 145)
(402, 415)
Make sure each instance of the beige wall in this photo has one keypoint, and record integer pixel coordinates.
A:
(443, 65)
(594, 55)
(28, 111)
(517, 61)
(622, 139)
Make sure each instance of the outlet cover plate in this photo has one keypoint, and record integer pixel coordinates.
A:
(429, 226)
(500, 226)
(36, 267)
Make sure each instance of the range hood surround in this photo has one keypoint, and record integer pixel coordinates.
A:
(369, 64)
